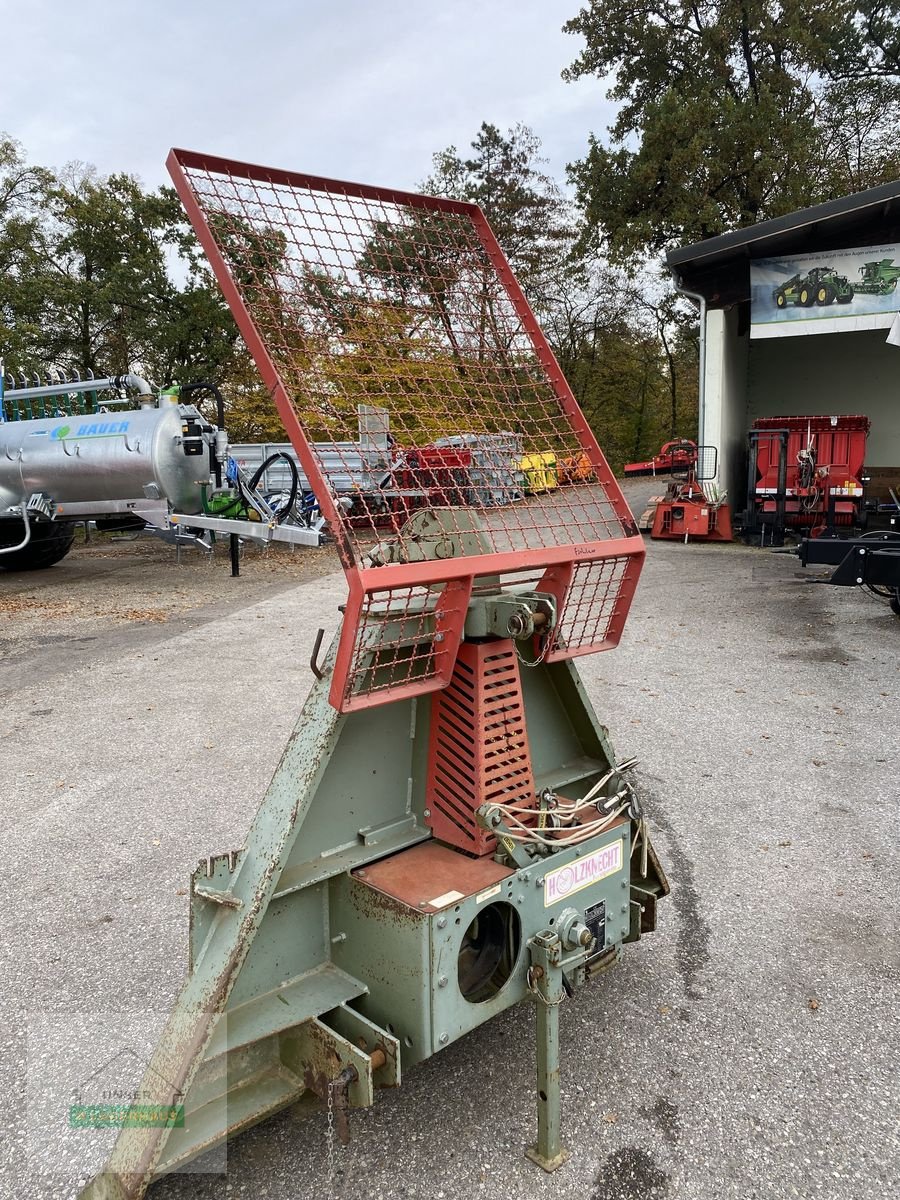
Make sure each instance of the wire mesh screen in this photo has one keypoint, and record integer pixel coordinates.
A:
(409, 371)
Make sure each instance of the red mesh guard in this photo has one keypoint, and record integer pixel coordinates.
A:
(411, 375)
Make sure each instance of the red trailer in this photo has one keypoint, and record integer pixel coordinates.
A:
(805, 473)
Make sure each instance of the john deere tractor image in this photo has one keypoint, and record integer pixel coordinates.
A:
(821, 285)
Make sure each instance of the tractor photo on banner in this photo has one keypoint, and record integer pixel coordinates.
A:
(827, 292)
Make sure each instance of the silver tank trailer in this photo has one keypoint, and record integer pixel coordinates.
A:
(125, 455)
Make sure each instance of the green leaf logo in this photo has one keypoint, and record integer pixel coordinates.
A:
(63, 431)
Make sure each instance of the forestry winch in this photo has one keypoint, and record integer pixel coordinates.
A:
(449, 831)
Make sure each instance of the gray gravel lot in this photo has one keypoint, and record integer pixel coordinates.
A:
(747, 1050)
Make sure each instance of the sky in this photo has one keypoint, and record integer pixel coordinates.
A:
(348, 89)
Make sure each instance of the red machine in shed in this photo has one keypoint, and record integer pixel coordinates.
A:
(805, 473)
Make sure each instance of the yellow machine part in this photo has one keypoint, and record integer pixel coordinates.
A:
(539, 472)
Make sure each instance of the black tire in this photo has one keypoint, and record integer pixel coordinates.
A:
(895, 602)
(807, 295)
(824, 294)
(49, 544)
(780, 299)
(846, 297)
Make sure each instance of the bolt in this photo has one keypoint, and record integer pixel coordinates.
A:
(442, 923)
(338, 937)
(423, 904)
(539, 882)
(624, 884)
(526, 877)
(624, 908)
(444, 1038)
(427, 812)
(442, 982)
(520, 899)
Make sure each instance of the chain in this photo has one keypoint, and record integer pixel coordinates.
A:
(329, 1136)
(534, 662)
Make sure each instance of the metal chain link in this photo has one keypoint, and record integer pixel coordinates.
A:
(329, 1136)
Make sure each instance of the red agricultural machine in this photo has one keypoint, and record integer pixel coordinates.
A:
(678, 455)
(805, 474)
(692, 509)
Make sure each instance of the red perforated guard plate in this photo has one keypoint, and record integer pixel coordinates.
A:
(413, 381)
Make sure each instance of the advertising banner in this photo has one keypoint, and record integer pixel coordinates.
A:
(828, 292)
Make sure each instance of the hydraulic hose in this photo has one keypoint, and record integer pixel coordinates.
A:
(295, 481)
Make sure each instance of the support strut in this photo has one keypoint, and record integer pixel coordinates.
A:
(546, 981)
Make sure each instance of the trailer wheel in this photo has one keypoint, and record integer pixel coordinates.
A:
(49, 544)
(780, 299)
(895, 602)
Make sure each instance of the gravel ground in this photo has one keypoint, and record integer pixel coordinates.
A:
(747, 1050)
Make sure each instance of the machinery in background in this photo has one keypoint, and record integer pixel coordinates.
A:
(679, 455)
(450, 831)
(160, 466)
(806, 475)
(878, 278)
(871, 561)
(692, 508)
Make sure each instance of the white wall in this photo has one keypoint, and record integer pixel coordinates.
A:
(723, 423)
(830, 373)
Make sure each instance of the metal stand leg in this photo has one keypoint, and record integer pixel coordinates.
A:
(545, 980)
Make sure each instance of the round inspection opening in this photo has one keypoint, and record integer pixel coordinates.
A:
(488, 952)
(390, 1029)
(407, 1041)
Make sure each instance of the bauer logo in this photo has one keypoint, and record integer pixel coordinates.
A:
(565, 881)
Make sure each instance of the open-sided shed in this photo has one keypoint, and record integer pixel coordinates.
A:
(830, 271)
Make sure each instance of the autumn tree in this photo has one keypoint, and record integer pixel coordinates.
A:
(731, 111)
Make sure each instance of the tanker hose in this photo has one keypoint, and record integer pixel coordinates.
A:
(206, 386)
(295, 481)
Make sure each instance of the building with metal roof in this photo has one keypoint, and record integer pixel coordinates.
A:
(831, 271)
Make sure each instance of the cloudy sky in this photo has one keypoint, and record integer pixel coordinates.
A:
(352, 89)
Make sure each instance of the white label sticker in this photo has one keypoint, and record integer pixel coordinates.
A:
(582, 872)
(491, 891)
(447, 898)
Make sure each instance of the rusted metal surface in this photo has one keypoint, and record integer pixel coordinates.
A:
(351, 297)
(424, 874)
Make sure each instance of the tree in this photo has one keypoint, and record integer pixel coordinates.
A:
(622, 347)
(86, 283)
(530, 216)
(730, 111)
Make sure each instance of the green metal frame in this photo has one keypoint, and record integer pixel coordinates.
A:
(303, 977)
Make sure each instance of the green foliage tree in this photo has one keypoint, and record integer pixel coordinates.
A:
(100, 275)
(626, 350)
(731, 111)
